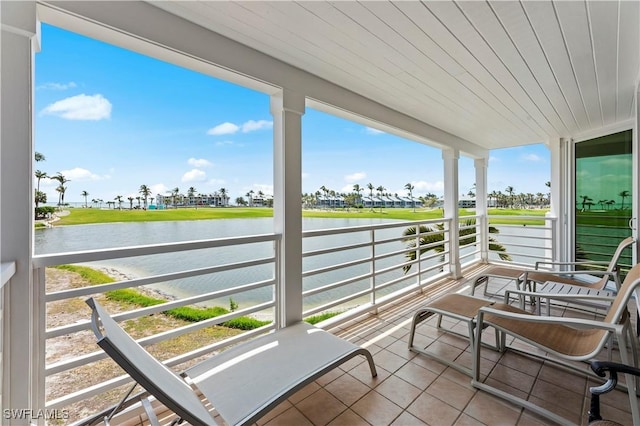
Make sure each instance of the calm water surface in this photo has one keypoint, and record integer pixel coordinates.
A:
(100, 236)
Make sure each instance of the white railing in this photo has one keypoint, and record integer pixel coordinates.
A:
(363, 266)
(345, 270)
(368, 261)
(525, 243)
(61, 334)
(7, 270)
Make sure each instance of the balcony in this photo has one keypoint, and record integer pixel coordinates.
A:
(466, 77)
(413, 389)
(356, 272)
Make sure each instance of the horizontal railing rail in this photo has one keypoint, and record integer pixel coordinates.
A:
(67, 364)
(524, 239)
(370, 261)
(361, 267)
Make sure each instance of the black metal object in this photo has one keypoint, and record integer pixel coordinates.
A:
(601, 368)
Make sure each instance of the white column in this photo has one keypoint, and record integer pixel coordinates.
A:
(23, 386)
(561, 171)
(287, 108)
(635, 152)
(480, 165)
(451, 157)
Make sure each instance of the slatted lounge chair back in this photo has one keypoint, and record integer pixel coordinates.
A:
(151, 374)
(541, 276)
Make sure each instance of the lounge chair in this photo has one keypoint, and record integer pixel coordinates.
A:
(538, 285)
(565, 339)
(582, 278)
(241, 383)
(458, 307)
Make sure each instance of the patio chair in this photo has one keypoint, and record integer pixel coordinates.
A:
(582, 278)
(601, 368)
(565, 339)
(538, 285)
(241, 383)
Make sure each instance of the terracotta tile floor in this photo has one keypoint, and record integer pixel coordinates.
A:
(412, 389)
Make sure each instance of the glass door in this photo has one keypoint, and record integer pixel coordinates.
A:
(603, 194)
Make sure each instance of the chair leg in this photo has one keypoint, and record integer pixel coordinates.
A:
(634, 356)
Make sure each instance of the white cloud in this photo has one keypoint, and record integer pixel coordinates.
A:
(494, 159)
(194, 175)
(422, 185)
(223, 129)
(304, 175)
(199, 162)
(531, 157)
(228, 128)
(222, 143)
(253, 125)
(372, 131)
(355, 177)
(81, 107)
(80, 174)
(57, 86)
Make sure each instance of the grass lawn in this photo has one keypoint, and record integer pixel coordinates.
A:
(88, 216)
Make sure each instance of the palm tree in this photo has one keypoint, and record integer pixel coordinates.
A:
(623, 194)
(145, 191)
(39, 175)
(174, 194)
(191, 193)
(370, 187)
(39, 157)
(410, 188)
(431, 236)
(509, 190)
(585, 200)
(326, 192)
(130, 198)
(85, 194)
(358, 189)
(381, 190)
(61, 188)
(250, 195)
(118, 198)
(223, 195)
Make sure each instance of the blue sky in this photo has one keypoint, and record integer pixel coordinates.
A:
(111, 120)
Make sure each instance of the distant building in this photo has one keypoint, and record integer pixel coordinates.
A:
(467, 203)
(212, 200)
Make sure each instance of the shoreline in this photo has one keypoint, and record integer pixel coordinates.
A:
(159, 294)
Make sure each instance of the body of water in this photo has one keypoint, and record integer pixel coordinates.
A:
(523, 244)
(115, 235)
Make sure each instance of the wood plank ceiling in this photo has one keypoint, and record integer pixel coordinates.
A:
(498, 74)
